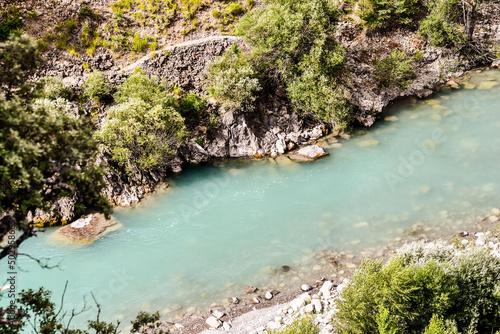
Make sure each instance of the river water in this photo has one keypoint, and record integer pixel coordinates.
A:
(434, 164)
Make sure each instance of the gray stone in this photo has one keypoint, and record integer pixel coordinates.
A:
(213, 322)
(218, 314)
(308, 153)
(305, 287)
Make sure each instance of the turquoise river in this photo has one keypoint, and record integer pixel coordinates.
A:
(433, 163)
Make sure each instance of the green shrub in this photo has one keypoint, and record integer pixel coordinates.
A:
(234, 9)
(61, 41)
(314, 87)
(10, 21)
(95, 86)
(316, 94)
(138, 43)
(32, 14)
(52, 88)
(430, 288)
(438, 325)
(303, 325)
(142, 131)
(57, 106)
(140, 136)
(191, 106)
(232, 80)
(144, 318)
(141, 87)
(272, 29)
(380, 14)
(440, 27)
(87, 11)
(153, 45)
(213, 122)
(42, 46)
(396, 69)
(70, 24)
(294, 45)
(216, 13)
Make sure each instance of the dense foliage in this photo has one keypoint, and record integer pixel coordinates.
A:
(142, 131)
(52, 88)
(45, 318)
(441, 27)
(424, 287)
(304, 325)
(10, 21)
(233, 81)
(396, 69)
(95, 86)
(46, 152)
(379, 14)
(293, 46)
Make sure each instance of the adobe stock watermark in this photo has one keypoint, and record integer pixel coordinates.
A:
(426, 145)
(203, 196)
(11, 280)
(119, 283)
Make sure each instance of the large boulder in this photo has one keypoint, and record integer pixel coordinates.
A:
(86, 229)
(308, 153)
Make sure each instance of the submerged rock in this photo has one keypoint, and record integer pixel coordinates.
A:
(469, 85)
(308, 153)
(251, 289)
(487, 85)
(368, 143)
(285, 269)
(86, 229)
(254, 300)
(233, 300)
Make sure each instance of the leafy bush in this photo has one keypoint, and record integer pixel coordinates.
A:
(138, 43)
(10, 21)
(140, 136)
(234, 9)
(380, 14)
(293, 45)
(440, 27)
(87, 11)
(191, 105)
(276, 30)
(394, 70)
(19, 58)
(438, 325)
(144, 318)
(52, 88)
(303, 325)
(141, 87)
(232, 80)
(434, 289)
(142, 131)
(36, 308)
(57, 106)
(95, 86)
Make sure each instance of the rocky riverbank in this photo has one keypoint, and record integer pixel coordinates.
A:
(259, 310)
